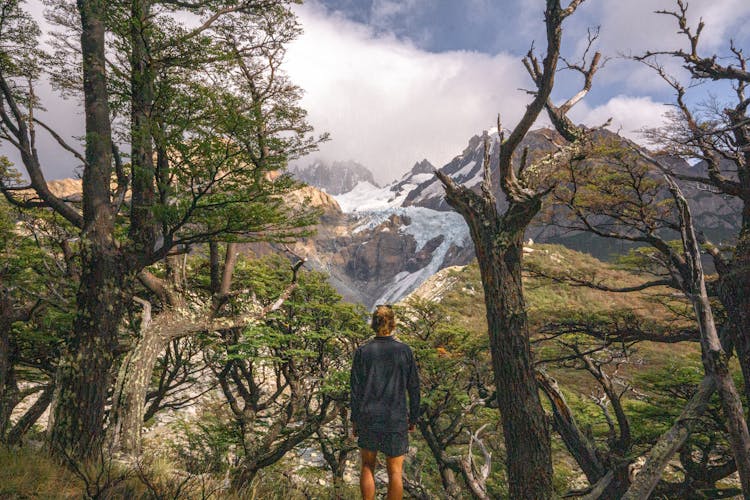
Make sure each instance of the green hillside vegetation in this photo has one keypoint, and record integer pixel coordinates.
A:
(655, 378)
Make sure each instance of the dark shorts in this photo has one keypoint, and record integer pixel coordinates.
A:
(393, 444)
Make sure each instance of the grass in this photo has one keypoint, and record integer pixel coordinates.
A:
(28, 473)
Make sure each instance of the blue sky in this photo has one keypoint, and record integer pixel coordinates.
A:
(395, 81)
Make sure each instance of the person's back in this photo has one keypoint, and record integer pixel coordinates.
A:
(383, 373)
(385, 370)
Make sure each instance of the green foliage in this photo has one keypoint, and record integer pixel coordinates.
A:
(20, 54)
(283, 376)
(456, 384)
(207, 445)
(313, 329)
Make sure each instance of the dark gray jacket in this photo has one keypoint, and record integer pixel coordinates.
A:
(383, 371)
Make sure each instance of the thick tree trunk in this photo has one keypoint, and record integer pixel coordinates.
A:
(84, 370)
(141, 143)
(498, 243)
(243, 477)
(527, 439)
(83, 375)
(734, 294)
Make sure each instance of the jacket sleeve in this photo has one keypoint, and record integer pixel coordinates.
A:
(356, 380)
(413, 388)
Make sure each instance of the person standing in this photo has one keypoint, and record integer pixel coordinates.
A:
(383, 372)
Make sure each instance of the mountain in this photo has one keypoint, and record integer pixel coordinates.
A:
(383, 242)
(378, 244)
(376, 249)
(334, 178)
(467, 168)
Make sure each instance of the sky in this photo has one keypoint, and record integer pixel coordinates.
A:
(396, 81)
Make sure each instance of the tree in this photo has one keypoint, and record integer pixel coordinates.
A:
(718, 135)
(211, 116)
(35, 295)
(498, 241)
(632, 197)
(451, 418)
(285, 378)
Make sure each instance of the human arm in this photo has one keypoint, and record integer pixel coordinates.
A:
(355, 390)
(412, 386)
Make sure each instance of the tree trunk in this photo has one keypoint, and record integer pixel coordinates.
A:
(8, 387)
(84, 369)
(31, 416)
(243, 477)
(734, 294)
(715, 360)
(527, 439)
(141, 145)
(450, 484)
(131, 387)
(671, 441)
(498, 243)
(579, 446)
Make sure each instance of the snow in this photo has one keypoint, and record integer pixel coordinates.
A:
(425, 225)
(373, 206)
(420, 178)
(467, 169)
(366, 198)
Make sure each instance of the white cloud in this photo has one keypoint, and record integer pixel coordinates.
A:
(387, 103)
(633, 27)
(629, 114)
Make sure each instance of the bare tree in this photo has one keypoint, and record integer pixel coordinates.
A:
(632, 197)
(498, 241)
(717, 134)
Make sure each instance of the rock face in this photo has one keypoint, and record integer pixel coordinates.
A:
(334, 178)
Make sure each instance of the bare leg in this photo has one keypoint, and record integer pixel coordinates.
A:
(395, 466)
(367, 473)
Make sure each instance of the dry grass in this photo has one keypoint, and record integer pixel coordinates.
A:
(27, 473)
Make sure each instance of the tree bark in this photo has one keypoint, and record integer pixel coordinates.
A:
(583, 450)
(499, 249)
(669, 442)
(734, 294)
(450, 484)
(29, 418)
(527, 439)
(129, 397)
(84, 370)
(142, 230)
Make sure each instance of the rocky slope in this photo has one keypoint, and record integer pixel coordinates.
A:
(334, 178)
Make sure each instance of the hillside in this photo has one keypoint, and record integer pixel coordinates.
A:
(655, 378)
(459, 288)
